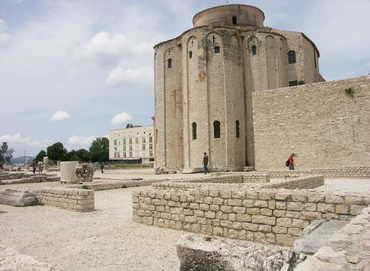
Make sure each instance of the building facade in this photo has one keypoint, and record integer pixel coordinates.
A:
(204, 81)
(132, 144)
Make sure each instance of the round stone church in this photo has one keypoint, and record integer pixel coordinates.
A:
(204, 84)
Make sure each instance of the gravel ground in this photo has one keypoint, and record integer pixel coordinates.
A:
(349, 185)
(106, 239)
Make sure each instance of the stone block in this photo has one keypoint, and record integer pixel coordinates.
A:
(295, 206)
(260, 219)
(325, 208)
(18, 198)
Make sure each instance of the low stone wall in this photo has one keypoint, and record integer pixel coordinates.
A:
(350, 172)
(256, 177)
(31, 179)
(67, 198)
(266, 216)
(99, 186)
(348, 249)
(10, 176)
(306, 182)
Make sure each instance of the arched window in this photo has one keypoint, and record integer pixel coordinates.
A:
(190, 54)
(291, 57)
(217, 129)
(237, 129)
(169, 63)
(194, 130)
(254, 50)
(235, 20)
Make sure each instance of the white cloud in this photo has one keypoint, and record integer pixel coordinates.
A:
(17, 138)
(142, 75)
(4, 35)
(60, 115)
(105, 44)
(121, 118)
(81, 140)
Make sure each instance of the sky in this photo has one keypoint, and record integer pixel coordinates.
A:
(72, 70)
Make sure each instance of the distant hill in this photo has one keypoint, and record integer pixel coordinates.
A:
(20, 160)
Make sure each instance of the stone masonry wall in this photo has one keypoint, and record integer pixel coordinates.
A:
(266, 216)
(348, 172)
(80, 200)
(326, 124)
(306, 182)
(347, 249)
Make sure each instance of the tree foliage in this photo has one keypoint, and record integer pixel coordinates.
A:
(99, 150)
(57, 152)
(6, 154)
(40, 156)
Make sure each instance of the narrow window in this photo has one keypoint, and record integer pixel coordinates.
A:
(169, 63)
(293, 83)
(237, 129)
(291, 57)
(235, 20)
(254, 50)
(216, 129)
(217, 49)
(190, 54)
(194, 130)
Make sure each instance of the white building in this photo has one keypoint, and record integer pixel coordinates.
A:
(131, 144)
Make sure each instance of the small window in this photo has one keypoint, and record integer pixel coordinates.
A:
(190, 54)
(237, 129)
(169, 63)
(254, 50)
(217, 49)
(217, 129)
(235, 20)
(293, 83)
(292, 57)
(194, 130)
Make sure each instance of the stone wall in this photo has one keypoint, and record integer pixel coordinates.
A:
(306, 182)
(267, 216)
(347, 249)
(348, 172)
(326, 124)
(67, 198)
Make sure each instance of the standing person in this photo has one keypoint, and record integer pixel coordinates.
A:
(290, 162)
(34, 165)
(102, 168)
(205, 163)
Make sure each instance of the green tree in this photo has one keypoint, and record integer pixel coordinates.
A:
(40, 156)
(99, 150)
(6, 154)
(83, 154)
(57, 152)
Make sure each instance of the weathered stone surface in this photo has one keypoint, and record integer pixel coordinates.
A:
(11, 260)
(17, 198)
(200, 253)
(317, 235)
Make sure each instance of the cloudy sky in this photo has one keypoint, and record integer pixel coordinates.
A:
(71, 70)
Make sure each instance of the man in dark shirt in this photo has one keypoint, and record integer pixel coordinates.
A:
(205, 163)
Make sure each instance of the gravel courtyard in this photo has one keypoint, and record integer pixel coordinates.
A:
(106, 239)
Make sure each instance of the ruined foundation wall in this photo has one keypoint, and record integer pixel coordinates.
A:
(80, 200)
(267, 216)
(347, 249)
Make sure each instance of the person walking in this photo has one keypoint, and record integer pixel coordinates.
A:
(290, 162)
(205, 163)
(102, 168)
(34, 166)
